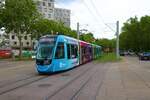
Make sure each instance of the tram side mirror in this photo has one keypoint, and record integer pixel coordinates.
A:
(34, 48)
(35, 45)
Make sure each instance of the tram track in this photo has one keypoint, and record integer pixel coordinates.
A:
(100, 85)
(21, 83)
(87, 83)
(27, 81)
(64, 86)
(49, 97)
(18, 80)
(21, 73)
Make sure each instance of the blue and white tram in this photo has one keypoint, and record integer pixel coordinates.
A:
(56, 53)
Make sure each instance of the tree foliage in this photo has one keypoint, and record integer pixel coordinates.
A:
(88, 37)
(1, 13)
(17, 16)
(136, 34)
(48, 27)
(106, 43)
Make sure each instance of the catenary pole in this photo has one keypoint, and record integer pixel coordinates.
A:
(78, 33)
(117, 40)
(78, 37)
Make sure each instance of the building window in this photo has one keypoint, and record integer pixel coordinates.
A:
(15, 43)
(50, 9)
(43, 3)
(49, 4)
(25, 37)
(22, 43)
(60, 54)
(27, 43)
(49, 15)
(13, 37)
(45, 9)
(33, 43)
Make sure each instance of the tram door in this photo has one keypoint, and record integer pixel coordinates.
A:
(72, 54)
(60, 57)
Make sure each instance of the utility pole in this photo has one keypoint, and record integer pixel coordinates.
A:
(78, 33)
(78, 37)
(117, 40)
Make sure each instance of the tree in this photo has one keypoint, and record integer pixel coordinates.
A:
(106, 43)
(136, 34)
(42, 27)
(145, 33)
(19, 15)
(1, 13)
(88, 37)
(45, 27)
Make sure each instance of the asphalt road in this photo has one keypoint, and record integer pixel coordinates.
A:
(128, 79)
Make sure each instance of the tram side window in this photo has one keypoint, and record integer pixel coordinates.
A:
(90, 50)
(60, 54)
(68, 51)
(74, 51)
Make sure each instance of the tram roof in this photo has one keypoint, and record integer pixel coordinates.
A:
(69, 39)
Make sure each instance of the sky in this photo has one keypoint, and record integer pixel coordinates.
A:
(100, 16)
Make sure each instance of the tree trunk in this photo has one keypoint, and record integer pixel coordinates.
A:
(31, 40)
(20, 46)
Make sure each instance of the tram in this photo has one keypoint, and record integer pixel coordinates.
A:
(59, 52)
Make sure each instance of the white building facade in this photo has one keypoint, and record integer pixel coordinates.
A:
(27, 42)
(62, 15)
(48, 10)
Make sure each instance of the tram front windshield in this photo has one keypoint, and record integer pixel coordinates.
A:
(45, 50)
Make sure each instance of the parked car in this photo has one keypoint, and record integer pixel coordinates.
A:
(144, 56)
(5, 53)
(131, 53)
(122, 53)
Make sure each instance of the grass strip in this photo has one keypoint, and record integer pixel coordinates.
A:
(108, 57)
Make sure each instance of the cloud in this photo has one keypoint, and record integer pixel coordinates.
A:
(108, 12)
(65, 1)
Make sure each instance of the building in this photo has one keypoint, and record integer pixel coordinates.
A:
(48, 10)
(62, 15)
(4, 42)
(27, 42)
